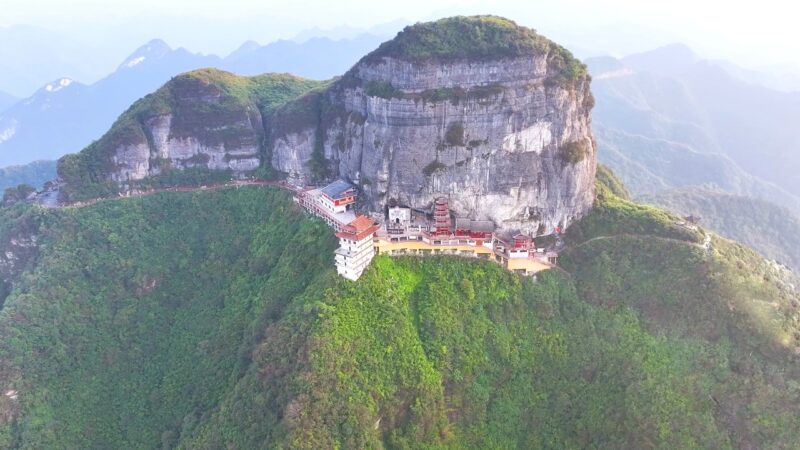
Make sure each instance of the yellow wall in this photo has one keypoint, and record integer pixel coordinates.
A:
(526, 264)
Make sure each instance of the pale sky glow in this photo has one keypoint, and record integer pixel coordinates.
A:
(751, 33)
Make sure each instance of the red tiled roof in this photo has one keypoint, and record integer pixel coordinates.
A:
(361, 223)
(358, 229)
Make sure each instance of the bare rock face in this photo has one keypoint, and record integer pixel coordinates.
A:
(479, 109)
(202, 127)
(505, 138)
(207, 119)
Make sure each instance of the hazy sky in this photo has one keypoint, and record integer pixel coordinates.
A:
(751, 33)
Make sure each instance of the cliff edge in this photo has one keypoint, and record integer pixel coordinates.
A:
(478, 108)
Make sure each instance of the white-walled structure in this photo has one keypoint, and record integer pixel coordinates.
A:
(338, 196)
(399, 216)
(333, 203)
(401, 232)
(356, 248)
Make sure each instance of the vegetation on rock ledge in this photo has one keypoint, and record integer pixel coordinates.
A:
(475, 38)
(203, 103)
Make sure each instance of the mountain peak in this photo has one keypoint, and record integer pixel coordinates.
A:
(672, 58)
(57, 85)
(249, 45)
(245, 48)
(462, 37)
(677, 51)
(154, 49)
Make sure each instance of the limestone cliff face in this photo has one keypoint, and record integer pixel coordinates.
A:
(478, 109)
(202, 127)
(507, 139)
(144, 158)
(205, 119)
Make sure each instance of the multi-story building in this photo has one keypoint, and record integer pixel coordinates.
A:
(333, 203)
(362, 237)
(338, 196)
(355, 247)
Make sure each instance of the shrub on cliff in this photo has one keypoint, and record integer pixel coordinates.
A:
(206, 104)
(478, 38)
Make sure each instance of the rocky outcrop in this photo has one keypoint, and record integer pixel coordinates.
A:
(207, 119)
(507, 139)
(138, 160)
(478, 109)
(203, 127)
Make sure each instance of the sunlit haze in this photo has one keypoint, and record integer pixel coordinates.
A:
(749, 33)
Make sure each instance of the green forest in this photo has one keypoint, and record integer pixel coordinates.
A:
(215, 319)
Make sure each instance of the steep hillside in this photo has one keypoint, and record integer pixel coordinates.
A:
(214, 319)
(477, 108)
(144, 312)
(772, 230)
(207, 120)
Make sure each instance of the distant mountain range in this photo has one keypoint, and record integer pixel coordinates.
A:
(35, 174)
(6, 100)
(32, 56)
(317, 58)
(385, 30)
(781, 78)
(64, 116)
(686, 134)
(667, 119)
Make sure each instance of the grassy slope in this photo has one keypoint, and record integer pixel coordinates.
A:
(771, 229)
(192, 326)
(734, 315)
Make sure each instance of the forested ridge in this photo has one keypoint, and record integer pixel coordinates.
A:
(214, 319)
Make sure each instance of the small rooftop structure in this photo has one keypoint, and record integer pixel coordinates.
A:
(463, 224)
(399, 214)
(484, 226)
(338, 196)
(522, 242)
(399, 219)
(338, 190)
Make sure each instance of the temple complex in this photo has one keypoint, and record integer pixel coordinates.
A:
(404, 231)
